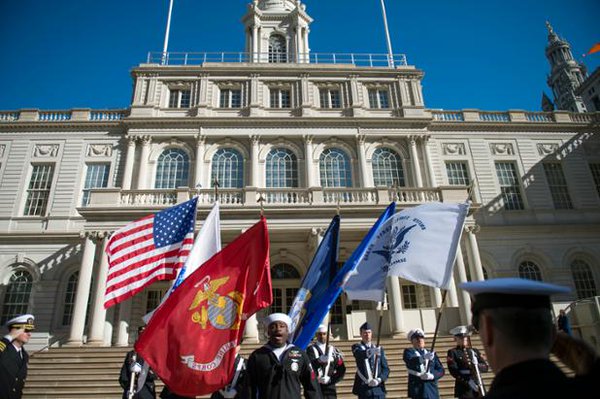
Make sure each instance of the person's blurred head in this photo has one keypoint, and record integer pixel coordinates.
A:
(366, 333)
(278, 329)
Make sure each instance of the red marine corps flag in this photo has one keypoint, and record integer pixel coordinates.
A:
(191, 338)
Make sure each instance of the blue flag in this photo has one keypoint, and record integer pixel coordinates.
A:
(334, 289)
(317, 280)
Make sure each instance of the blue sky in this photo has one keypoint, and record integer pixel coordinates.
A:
(489, 55)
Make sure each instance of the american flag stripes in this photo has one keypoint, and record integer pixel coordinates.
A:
(149, 250)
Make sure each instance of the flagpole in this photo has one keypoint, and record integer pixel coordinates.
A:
(439, 317)
(387, 35)
(166, 43)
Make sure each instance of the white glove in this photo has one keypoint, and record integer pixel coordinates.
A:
(324, 380)
(136, 368)
(374, 351)
(373, 382)
(323, 359)
(427, 376)
(473, 385)
(229, 393)
(429, 356)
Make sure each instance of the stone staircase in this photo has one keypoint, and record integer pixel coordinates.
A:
(93, 373)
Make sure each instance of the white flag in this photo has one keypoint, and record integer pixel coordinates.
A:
(207, 243)
(417, 244)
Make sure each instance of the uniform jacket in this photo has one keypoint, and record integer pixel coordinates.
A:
(541, 378)
(458, 365)
(337, 368)
(268, 378)
(13, 370)
(415, 362)
(167, 394)
(240, 381)
(361, 387)
(148, 391)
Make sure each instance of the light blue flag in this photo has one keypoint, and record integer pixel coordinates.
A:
(417, 244)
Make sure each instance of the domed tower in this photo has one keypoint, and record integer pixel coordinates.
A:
(566, 74)
(277, 31)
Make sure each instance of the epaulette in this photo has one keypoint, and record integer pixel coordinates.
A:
(2, 346)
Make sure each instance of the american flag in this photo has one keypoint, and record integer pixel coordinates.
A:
(149, 250)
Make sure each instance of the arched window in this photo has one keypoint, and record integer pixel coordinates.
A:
(583, 278)
(70, 299)
(530, 271)
(387, 168)
(285, 287)
(282, 168)
(284, 271)
(172, 169)
(277, 49)
(228, 168)
(16, 298)
(335, 168)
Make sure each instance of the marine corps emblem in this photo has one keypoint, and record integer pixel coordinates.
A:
(221, 311)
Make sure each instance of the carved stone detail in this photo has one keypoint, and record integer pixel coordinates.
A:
(547, 148)
(502, 149)
(2, 150)
(46, 150)
(454, 149)
(99, 150)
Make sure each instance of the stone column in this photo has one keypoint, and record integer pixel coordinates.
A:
(452, 297)
(460, 275)
(108, 326)
(129, 161)
(142, 183)
(96, 337)
(254, 43)
(395, 301)
(124, 323)
(254, 159)
(199, 172)
(415, 162)
(362, 158)
(473, 253)
(251, 330)
(308, 150)
(83, 291)
(430, 170)
(437, 297)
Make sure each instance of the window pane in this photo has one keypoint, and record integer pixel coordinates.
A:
(173, 98)
(383, 99)
(281, 168)
(70, 299)
(277, 49)
(509, 185)
(336, 101)
(530, 271)
(286, 99)
(185, 99)
(39, 190)
(324, 97)
(335, 168)
(236, 98)
(284, 271)
(409, 297)
(373, 98)
(595, 169)
(172, 169)
(228, 168)
(558, 186)
(583, 279)
(16, 297)
(96, 177)
(458, 174)
(275, 98)
(224, 100)
(387, 168)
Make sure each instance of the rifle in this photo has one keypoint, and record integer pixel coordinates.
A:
(474, 365)
(131, 391)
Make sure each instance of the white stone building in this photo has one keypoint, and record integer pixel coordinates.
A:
(308, 133)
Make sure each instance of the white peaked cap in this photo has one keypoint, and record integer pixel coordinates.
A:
(273, 317)
(322, 328)
(460, 331)
(416, 331)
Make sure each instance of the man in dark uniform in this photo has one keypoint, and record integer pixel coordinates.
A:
(462, 361)
(14, 357)
(328, 362)
(235, 389)
(371, 366)
(424, 367)
(143, 386)
(278, 369)
(515, 324)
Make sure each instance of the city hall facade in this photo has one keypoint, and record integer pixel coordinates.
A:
(299, 136)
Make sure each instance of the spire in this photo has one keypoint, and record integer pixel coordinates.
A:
(552, 36)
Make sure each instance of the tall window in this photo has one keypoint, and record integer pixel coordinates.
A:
(153, 298)
(179, 98)
(583, 279)
(286, 280)
(595, 169)
(282, 168)
(228, 168)
(530, 271)
(96, 177)
(558, 185)
(70, 299)
(335, 168)
(330, 98)
(409, 297)
(458, 173)
(172, 169)
(38, 191)
(387, 168)
(16, 298)
(277, 49)
(280, 98)
(231, 98)
(509, 185)
(379, 98)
